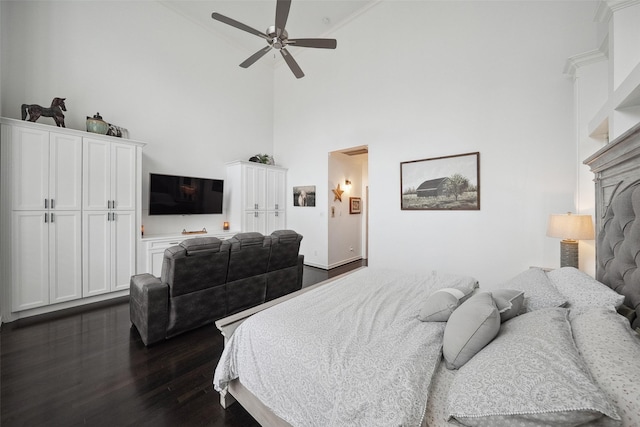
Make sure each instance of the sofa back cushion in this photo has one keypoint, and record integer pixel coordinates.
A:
(249, 255)
(285, 246)
(195, 264)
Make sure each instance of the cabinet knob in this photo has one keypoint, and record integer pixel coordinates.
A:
(46, 217)
(108, 204)
(46, 203)
(53, 205)
(52, 217)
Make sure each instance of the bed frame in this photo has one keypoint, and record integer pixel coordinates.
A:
(617, 183)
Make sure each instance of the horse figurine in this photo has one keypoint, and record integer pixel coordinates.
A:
(55, 111)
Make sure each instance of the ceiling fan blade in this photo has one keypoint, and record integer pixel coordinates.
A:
(239, 25)
(282, 13)
(253, 58)
(319, 43)
(297, 71)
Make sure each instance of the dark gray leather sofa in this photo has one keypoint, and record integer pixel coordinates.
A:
(204, 279)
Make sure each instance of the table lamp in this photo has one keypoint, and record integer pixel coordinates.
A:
(570, 228)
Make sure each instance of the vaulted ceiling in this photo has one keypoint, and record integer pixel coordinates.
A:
(307, 19)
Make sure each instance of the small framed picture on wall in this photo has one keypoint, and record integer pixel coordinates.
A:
(355, 205)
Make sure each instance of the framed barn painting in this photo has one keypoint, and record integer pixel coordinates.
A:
(441, 183)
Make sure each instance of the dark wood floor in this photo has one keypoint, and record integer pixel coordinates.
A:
(89, 367)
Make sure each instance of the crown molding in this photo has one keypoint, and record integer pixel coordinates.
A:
(582, 60)
(605, 8)
(603, 12)
(617, 5)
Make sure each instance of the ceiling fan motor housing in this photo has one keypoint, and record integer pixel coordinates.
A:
(278, 42)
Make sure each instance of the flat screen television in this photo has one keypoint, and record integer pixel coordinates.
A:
(184, 195)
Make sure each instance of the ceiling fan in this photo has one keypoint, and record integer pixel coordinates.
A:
(277, 37)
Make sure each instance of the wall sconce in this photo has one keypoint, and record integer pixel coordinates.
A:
(570, 228)
(225, 226)
(347, 184)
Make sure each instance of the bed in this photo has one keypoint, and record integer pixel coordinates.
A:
(380, 347)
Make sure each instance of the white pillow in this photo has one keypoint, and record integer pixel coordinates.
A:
(530, 375)
(611, 350)
(582, 290)
(539, 292)
(471, 327)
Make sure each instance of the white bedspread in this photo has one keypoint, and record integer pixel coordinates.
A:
(351, 352)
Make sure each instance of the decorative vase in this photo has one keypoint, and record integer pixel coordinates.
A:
(97, 125)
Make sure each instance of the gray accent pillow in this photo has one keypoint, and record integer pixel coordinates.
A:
(530, 375)
(440, 304)
(509, 302)
(539, 292)
(471, 327)
(582, 290)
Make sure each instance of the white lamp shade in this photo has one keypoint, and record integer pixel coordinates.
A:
(570, 227)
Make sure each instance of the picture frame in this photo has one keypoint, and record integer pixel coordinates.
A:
(355, 205)
(304, 196)
(441, 183)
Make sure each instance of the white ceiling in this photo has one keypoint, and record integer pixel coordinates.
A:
(307, 19)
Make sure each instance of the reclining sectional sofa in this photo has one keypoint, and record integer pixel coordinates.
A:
(204, 279)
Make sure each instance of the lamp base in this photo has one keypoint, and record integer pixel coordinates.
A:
(569, 253)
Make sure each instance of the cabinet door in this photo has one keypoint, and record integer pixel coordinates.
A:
(30, 168)
(275, 221)
(155, 258)
(65, 166)
(254, 221)
(65, 256)
(253, 178)
(123, 176)
(123, 247)
(29, 260)
(275, 189)
(96, 262)
(96, 192)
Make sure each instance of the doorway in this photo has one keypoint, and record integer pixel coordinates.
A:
(348, 219)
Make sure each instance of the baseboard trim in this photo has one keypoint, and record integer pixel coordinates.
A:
(335, 264)
(344, 262)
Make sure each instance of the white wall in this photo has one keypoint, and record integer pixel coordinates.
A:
(416, 80)
(171, 83)
(590, 95)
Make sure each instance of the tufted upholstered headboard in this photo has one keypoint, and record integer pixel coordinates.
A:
(617, 182)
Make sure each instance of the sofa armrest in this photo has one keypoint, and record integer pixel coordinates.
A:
(300, 269)
(149, 307)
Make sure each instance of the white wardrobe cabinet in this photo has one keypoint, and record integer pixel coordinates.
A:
(45, 226)
(109, 225)
(69, 211)
(256, 196)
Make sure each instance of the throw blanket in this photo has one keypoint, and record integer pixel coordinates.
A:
(351, 352)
